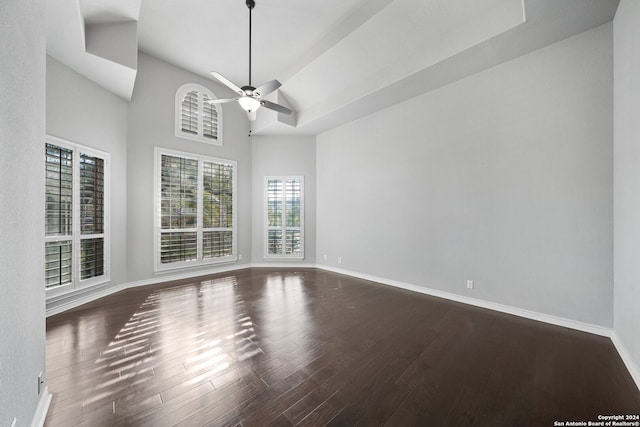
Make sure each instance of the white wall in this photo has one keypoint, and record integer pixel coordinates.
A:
(626, 35)
(22, 128)
(504, 178)
(284, 156)
(79, 110)
(151, 124)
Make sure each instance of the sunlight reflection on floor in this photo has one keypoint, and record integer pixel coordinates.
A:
(200, 330)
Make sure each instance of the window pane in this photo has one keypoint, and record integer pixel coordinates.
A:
(57, 263)
(91, 195)
(91, 258)
(217, 244)
(189, 113)
(292, 243)
(179, 192)
(180, 246)
(274, 203)
(58, 190)
(292, 209)
(274, 242)
(209, 119)
(218, 195)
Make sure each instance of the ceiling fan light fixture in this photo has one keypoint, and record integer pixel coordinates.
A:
(249, 103)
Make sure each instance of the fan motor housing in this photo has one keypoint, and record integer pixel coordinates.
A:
(248, 90)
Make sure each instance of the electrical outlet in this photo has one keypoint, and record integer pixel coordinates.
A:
(339, 260)
(239, 257)
(40, 382)
(469, 284)
(324, 256)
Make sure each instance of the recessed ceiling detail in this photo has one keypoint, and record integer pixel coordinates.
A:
(337, 60)
(98, 39)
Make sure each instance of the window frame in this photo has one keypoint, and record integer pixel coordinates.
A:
(284, 227)
(199, 229)
(201, 90)
(76, 237)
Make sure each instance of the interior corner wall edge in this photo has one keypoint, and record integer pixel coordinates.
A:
(503, 178)
(626, 38)
(22, 128)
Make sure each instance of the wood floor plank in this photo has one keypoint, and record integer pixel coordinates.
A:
(265, 347)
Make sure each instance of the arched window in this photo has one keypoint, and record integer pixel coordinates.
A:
(196, 118)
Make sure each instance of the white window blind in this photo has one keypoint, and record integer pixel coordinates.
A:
(196, 118)
(179, 202)
(76, 204)
(196, 199)
(210, 118)
(284, 222)
(189, 113)
(91, 216)
(58, 215)
(218, 212)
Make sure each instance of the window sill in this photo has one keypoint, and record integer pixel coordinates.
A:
(159, 269)
(284, 258)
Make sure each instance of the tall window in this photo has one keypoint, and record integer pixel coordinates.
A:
(195, 202)
(284, 220)
(196, 118)
(76, 224)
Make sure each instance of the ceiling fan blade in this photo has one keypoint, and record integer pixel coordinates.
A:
(251, 115)
(276, 107)
(221, 101)
(267, 88)
(228, 83)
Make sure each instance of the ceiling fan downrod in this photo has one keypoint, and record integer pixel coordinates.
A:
(250, 4)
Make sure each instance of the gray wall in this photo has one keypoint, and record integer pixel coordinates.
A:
(22, 127)
(284, 155)
(79, 110)
(627, 177)
(504, 178)
(151, 124)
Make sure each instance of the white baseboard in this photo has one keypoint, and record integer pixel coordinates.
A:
(169, 277)
(546, 318)
(625, 355)
(61, 303)
(43, 407)
(65, 302)
(71, 300)
(282, 265)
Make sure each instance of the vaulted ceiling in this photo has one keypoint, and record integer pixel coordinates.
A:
(337, 59)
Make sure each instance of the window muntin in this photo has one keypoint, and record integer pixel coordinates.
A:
(196, 118)
(284, 217)
(76, 220)
(196, 222)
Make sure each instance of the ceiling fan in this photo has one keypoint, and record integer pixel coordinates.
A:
(250, 97)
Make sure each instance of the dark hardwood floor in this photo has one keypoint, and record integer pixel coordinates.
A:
(262, 347)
